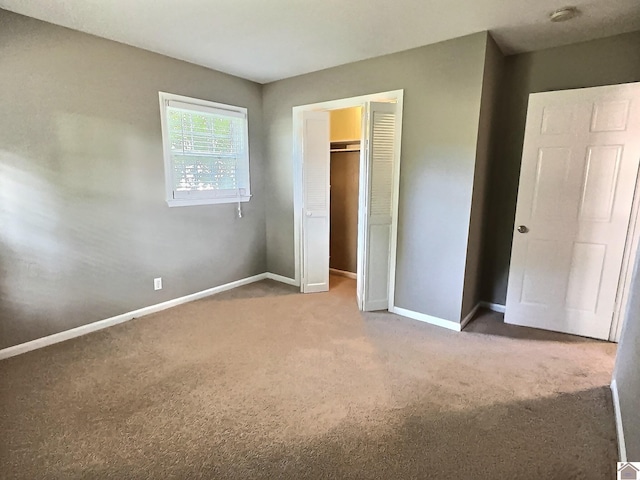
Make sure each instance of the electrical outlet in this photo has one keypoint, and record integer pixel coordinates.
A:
(157, 283)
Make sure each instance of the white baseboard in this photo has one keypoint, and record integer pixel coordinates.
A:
(440, 322)
(494, 307)
(101, 324)
(470, 316)
(377, 305)
(622, 448)
(281, 279)
(343, 273)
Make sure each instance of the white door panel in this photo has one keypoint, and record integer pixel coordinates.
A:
(378, 195)
(378, 267)
(577, 182)
(315, 213)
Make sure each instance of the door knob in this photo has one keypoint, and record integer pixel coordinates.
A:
(523, 229)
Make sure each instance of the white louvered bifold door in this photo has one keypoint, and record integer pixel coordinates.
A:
(315, 209)
(380, 141)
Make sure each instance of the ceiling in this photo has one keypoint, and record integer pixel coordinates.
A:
(267, 40)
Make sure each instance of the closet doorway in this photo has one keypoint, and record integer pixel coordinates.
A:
(378, 190)
(345, 127)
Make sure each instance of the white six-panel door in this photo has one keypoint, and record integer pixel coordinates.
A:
(577, 181)
(377, 190)
(315, 213)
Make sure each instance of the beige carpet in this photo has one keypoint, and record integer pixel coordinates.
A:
(262, 382)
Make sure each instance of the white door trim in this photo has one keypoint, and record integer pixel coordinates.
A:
(359, 101)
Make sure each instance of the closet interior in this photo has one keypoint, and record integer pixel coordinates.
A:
(346, 132)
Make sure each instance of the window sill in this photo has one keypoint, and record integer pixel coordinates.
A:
(189, 202)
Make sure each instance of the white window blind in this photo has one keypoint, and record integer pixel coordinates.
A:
(206, 151)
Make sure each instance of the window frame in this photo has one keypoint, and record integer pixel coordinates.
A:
(204, 197)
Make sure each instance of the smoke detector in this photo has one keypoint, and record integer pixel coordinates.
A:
(563, 14)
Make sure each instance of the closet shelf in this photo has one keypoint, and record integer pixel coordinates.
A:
(346, 146)
(356, 149)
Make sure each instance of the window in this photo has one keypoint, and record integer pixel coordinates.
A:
(206, 151)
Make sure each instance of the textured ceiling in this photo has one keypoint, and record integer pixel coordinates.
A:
(266, 40)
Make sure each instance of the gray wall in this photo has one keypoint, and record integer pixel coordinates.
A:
(442, 85)
(473, 281)
(600, 62)
(626, 371)
(84, 227)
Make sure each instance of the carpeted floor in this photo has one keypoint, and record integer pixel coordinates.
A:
(264, 383)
